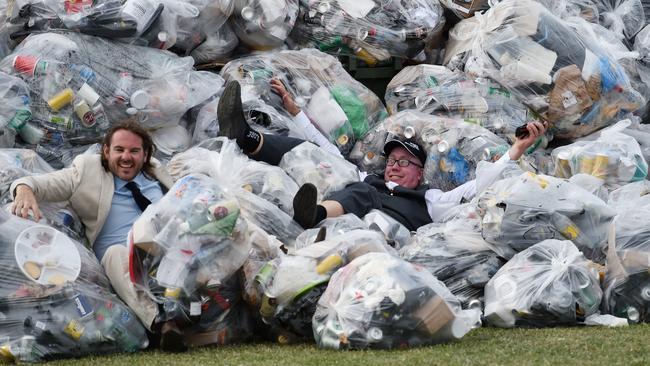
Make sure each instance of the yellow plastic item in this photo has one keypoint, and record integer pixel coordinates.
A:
(62, 99)
(74, 329)
(570, 232)
(600, 166)
(329, 263)
(172, 292)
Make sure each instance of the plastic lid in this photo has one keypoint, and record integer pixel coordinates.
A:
(139, 99)
(172, 139)
(46, 256)
(247, 13)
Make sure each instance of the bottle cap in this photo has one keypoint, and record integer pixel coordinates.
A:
(443, 146)
(247, 13)
(324, 6)
(131, 111)
(409, 132)
(139, 99)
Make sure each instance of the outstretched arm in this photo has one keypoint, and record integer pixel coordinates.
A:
(57, 186)
(439, 201)
(311, 133)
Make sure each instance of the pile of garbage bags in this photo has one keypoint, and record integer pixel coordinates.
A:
(55, 299)
(371, 30)
(339, 106)
(79, 85)
(566, 79)
(207, 31)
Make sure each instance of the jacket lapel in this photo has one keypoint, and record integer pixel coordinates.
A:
(105, 197)
(164, 178)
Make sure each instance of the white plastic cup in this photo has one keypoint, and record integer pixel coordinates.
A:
(87, 93)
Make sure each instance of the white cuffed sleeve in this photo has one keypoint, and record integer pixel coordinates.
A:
(312, 134)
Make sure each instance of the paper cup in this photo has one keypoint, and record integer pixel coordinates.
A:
(25, 64)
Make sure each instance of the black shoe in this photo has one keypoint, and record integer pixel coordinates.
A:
(171, 338)
(232, 123)
(304, 206)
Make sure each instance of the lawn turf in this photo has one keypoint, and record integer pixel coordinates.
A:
(485, 346)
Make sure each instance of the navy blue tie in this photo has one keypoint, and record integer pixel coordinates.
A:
(142, 201)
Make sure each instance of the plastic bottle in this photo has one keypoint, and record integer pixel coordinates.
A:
(334, 21)
(99, 84)
(101, 118)
(119, 327)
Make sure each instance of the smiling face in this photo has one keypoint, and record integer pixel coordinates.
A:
(125, 155)
(408, 176)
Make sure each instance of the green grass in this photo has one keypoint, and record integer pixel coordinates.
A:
(558, 346)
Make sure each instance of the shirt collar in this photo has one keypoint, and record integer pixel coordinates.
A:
(120, 183)
(391, 185)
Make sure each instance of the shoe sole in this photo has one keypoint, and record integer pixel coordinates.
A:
(304, 206)
(230, 112)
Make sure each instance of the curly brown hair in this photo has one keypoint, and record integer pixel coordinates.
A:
(134, 127)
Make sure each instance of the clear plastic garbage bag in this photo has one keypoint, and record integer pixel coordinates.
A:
(522, 211)
(380, 301)
(615, 157)
(55, 299)
(627, 283)
(185, 250)
(307, 163)
(548, 284)
(568, 80)
(456, 254)
(292, 284)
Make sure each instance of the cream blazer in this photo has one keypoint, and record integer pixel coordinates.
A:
(86, 186)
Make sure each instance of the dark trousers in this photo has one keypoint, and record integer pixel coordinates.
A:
(274, 147)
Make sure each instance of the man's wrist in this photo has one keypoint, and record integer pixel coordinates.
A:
(294, 112)
(516, 151)
(19, 186)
